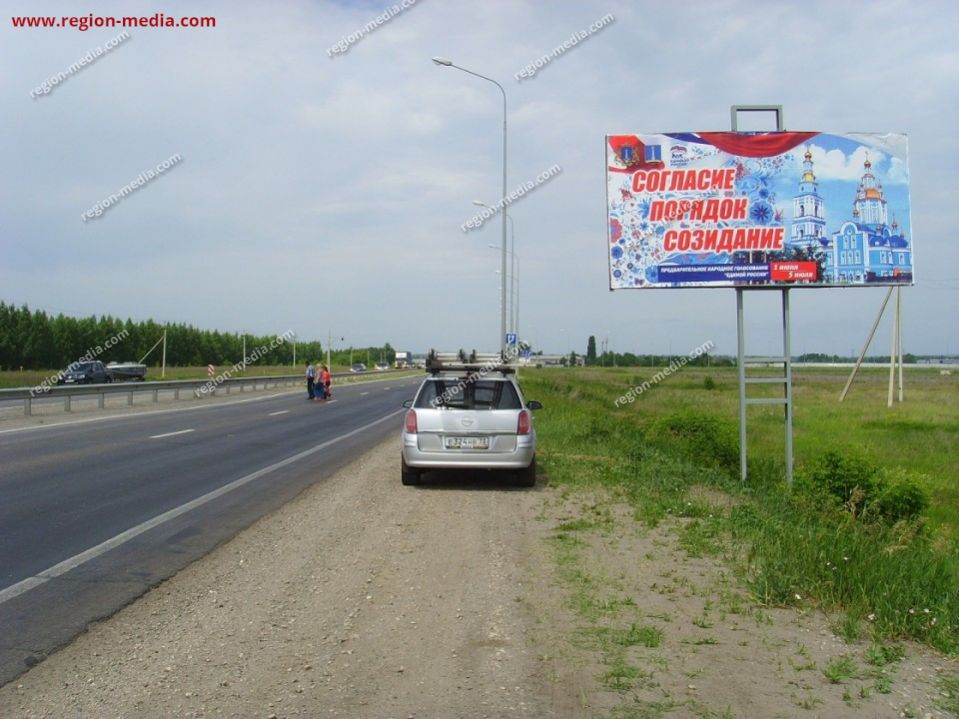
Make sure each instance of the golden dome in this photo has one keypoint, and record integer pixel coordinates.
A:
(808, 177)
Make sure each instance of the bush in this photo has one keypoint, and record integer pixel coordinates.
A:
(705, 437)
(847, 478)
(709, 383)
(865, 491)
(901, 495)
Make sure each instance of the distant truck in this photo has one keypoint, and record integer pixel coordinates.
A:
(403, 360)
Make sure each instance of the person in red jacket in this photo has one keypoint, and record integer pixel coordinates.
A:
(327, 381)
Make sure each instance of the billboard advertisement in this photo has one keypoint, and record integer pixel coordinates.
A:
(771, 209)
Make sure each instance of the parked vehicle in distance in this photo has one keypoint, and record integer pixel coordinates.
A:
(358, 367)
(382, 366)
(127, 371)
(469, 416)
(92, 372)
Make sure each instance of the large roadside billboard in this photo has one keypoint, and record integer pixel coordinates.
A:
(727, 209)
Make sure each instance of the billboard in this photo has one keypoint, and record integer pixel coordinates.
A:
(771, 209)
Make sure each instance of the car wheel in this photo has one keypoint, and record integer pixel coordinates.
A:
(527, 477)
(408, 475)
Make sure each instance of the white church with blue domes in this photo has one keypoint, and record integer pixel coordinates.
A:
(866, 248)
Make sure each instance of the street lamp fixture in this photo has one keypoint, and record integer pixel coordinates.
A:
(444, 62)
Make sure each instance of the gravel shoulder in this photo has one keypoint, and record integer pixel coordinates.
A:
(464, 598)
(361, 598)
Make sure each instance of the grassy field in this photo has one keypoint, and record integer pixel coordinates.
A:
(884, 578)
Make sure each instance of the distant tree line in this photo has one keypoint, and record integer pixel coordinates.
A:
(629, 359)
(37, 340)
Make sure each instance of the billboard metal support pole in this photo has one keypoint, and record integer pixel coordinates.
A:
(741, 367)
(786, 359)
(785, 379)
(788, 390)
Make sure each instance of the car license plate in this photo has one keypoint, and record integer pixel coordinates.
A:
(467, 443)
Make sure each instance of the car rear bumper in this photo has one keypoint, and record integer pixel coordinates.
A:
(518, 458)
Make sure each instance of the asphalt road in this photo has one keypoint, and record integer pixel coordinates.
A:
(94, 513)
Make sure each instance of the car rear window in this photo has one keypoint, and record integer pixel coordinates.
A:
(460, 393)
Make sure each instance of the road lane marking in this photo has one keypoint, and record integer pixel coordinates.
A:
(172, 434)
(147, 413)
(282, 411)
(75, 561)
(363, 394)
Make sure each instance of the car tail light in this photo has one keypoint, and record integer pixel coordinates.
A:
(523, 424)
(411, 422)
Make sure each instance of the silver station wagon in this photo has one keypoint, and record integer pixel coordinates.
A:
(469, 415)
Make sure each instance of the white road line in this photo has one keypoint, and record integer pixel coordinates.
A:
(172, 434)
(75, 561)
(363, 394)
(282, 411)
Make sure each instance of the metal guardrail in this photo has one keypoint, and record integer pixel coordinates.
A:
(28, 394)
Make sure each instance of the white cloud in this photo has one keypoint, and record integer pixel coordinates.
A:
(313, 188)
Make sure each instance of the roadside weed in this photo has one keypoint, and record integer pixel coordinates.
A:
(840, 670)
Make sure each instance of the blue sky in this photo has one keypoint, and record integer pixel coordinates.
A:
(321, 193)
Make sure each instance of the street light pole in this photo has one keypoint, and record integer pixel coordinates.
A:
(443, 62)
(513, 287)
(514, 271)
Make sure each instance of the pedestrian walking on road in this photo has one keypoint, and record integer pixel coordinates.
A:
(327, 381)
(310, 380)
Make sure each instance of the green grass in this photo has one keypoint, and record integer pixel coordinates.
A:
(880, 580)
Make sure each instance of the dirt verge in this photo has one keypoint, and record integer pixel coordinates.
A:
(461, 598)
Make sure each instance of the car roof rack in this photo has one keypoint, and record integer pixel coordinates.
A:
(437, 362)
